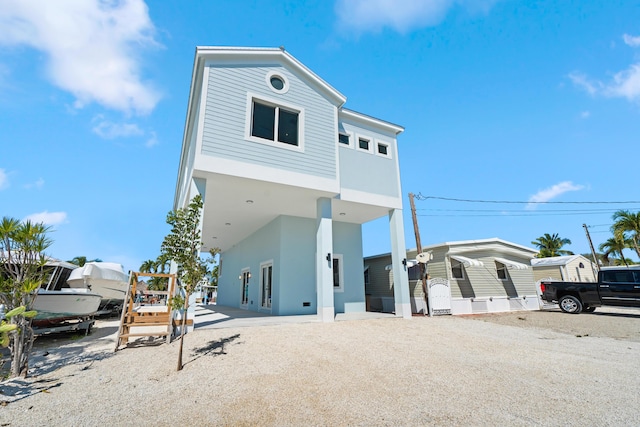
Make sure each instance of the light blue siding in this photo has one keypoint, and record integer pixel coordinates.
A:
(357, 166)
(290, 243)
(225, 120)
(347, 240)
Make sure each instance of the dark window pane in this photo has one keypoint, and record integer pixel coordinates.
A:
(382, 149)
(288, 127)
(343, 139)
(336, 273)
(263, 121)
(456, 270)
(363, 143)
(277, 83)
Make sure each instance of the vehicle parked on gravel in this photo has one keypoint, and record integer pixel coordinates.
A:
(619, 286)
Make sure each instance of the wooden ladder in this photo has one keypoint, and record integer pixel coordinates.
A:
(146, 319)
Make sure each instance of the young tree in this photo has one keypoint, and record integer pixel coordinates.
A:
(627, 226)
(551, 245)
(182, 245)
(22, 260)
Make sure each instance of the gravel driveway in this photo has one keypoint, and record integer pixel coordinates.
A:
(514, 369)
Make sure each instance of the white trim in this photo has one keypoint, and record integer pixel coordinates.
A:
(459, 263)
(512, 264)
(351, 139)
(261, 285)
(503, 269)
(340, 259)
(280, 76)
(387, 144)
(264, 55)
(357, 139)
(390, 202)
(468, 262)
(251, 98)
(242, 169)
(242, 272)
(372, 121)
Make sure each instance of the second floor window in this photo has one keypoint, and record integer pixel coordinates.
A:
(274, 123)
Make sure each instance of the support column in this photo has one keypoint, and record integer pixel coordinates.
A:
(324, 260)
(399, 260)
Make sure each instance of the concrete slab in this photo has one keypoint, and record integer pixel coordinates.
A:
(217, 316)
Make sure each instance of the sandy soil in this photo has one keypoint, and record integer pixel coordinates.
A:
(525, 368)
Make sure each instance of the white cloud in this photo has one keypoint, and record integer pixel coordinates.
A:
(38, 184)
(110, 130)
(552, 192)
(585, 114)
(49, 218)
(579, 79)
(624, 84)
(152, 141)
(4, 179)
(92, 47)
(399, 15)
(631, 40)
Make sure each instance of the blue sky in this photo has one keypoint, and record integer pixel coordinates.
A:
(501, 100)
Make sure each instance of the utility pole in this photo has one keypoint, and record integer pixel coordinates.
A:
(423, 273)
(593, 251)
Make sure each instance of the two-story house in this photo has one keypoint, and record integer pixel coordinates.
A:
(288, 177)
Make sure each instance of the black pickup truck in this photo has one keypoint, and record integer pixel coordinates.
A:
(616, 286)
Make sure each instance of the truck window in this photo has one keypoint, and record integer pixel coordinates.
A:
(618, 276)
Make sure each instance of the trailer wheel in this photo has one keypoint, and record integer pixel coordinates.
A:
(588, 309)
(570, 304)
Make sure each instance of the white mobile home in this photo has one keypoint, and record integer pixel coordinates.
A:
(288, 177)
(490, 275)
(568, 268)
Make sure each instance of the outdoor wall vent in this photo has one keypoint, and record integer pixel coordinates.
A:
(306, 304)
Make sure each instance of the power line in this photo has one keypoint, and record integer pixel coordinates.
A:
(421, 197)
(506, 210)
(512, 214)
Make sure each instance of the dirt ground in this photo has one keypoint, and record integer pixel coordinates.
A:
(611, 322)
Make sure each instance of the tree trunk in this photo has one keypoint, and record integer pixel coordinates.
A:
(182, 327)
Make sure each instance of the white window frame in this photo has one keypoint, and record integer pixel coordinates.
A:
(340, 259)
(504, 268)
(251, 98)
(350, 135)
(452, 261)
(262, 266)
(368, 138)
(244, 271)
(386, 144)
(281, 76)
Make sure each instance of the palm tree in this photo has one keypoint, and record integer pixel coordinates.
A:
(81, 260)
(615, 246)
(627, 226)
(551, 245)
(160, 265)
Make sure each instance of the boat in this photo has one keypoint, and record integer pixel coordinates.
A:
(56, 302)
(107, 279)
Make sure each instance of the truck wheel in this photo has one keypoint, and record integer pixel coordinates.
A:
(570, 304)
(588, 309)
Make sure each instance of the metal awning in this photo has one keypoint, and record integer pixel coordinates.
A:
(410, 263)
(468, 262)
(512, 264)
